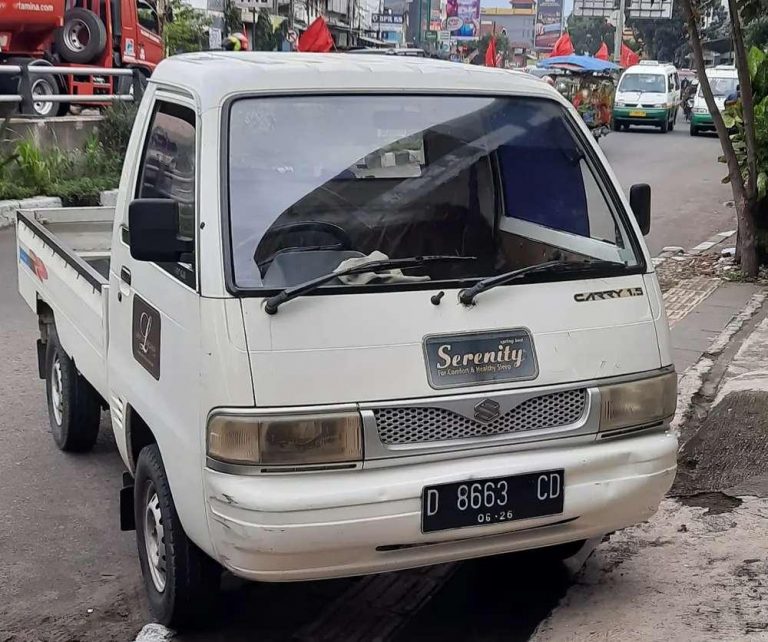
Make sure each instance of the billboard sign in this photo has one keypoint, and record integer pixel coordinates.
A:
(387, 21)
(549, 24)
(463, 19)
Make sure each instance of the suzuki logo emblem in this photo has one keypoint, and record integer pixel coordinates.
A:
(487, 410)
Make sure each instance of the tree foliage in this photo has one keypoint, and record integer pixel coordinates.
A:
(756, 33)
(264, 37)
(587, 34)
(188, 31)
(663, 39)
(233, 18)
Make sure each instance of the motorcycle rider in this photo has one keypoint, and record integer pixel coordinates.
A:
(235, 42)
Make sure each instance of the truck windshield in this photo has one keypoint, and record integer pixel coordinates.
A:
(318, 181)
(721, 86)
(647, 83)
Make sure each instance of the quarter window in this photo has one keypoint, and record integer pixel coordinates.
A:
(167, 170)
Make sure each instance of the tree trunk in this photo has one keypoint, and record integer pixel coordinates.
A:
(747, 102)
(745, 206)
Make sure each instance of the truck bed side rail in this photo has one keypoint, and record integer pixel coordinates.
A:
(27, 72)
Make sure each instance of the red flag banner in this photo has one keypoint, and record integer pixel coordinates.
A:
(628, 57)
(490, 53)
(563, 46)
(317, 37)
(602, 53)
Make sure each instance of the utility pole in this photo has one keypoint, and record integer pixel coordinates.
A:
(619, 36)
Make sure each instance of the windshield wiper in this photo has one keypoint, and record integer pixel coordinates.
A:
(274, 302)
(467, 295)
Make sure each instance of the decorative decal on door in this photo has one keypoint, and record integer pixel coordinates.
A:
(146, 336)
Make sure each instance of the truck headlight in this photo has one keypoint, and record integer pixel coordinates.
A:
(638, 403)
(279, 440)
(621, 103)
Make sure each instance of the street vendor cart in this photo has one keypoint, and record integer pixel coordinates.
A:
(590, 84)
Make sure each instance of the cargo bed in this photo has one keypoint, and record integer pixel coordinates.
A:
(63, 258)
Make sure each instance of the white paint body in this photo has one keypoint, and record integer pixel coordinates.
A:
(219, 351)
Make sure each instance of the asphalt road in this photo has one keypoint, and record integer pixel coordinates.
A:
(68, 573)
(687, 195)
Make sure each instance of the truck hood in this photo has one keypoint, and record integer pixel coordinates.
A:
(371, 347)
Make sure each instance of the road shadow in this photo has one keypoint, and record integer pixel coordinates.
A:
(495, 598)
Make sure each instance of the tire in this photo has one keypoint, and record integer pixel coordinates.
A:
(74, 407)
(616, 126)
(181, 581)
(125, 83)
(694, 131)
(42, 84)
(665, 125)
(672, 121)
(82, 38)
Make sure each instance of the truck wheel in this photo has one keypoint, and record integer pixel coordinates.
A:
(181, 581)
(125, 84)
(82, 38)
(694, 130)
(74, 407)
(665, 125)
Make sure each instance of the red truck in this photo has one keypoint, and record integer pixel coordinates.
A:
(77, 34)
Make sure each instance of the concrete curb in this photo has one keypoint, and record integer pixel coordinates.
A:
(670, 251)
(8, 208)
(693, 380)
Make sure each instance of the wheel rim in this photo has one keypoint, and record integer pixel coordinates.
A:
(57, 391)
(41, 87)
(76, 35)
(154, 538)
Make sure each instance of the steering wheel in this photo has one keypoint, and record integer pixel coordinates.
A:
(343, 241)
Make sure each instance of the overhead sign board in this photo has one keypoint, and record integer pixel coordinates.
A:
(254, 4)
(648, 9)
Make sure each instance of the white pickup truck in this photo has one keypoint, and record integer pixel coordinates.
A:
(355, 314)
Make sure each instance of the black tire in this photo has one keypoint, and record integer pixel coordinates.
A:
(665, 125)
(82, 38)
(672, 121)
(74, 407)
(125, 83)
(616, 125)
(190, 579)
(694, 131)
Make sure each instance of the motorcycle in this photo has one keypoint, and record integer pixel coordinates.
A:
(688, 109)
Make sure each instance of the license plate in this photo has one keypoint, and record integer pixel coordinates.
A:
(489, 501)
(637, 112)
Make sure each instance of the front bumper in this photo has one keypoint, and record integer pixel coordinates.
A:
(702, 121)
(334, 524)
(640, 115)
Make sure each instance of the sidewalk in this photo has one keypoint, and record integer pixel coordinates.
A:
(696, 570)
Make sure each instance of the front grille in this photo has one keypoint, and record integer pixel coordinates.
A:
(423, 424)
(649, 105)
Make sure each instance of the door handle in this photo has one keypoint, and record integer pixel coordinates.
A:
(125, 283)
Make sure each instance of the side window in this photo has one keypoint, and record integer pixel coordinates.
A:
(147, 15)
(167, 170)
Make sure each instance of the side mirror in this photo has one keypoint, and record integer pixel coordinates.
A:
(153, 226)
(640, 202)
